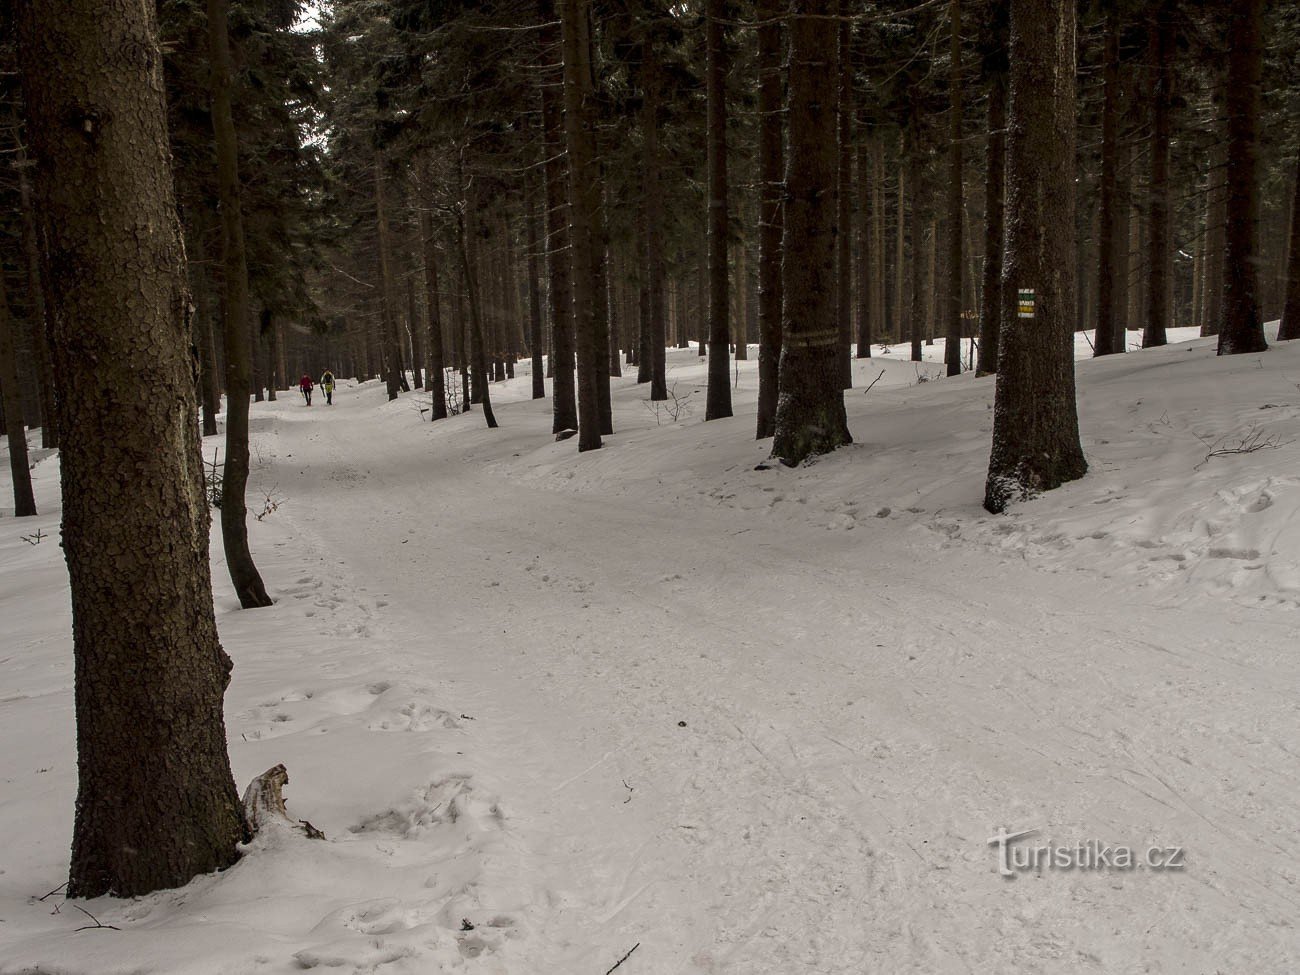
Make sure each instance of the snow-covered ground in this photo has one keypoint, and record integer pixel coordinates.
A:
(547, 707)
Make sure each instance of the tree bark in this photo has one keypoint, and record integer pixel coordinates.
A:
(536, 337)
(436, 357)
(1290, 328)
(234, 477)
(844, 203)
(953, 303)
(394, 372)
(1104, 335)
(810, 417)
(1242, 326)
(15, 420)
(916, 244)
(156, 804)
(584, 201)
(477, 353)
(1159, 247)
(994, 211)
(718, 400)
(563, 392)
(36, 290)
(1035, 423)
(771, 188)
(866, 248)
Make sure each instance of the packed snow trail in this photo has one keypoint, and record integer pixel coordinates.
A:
(753, 721)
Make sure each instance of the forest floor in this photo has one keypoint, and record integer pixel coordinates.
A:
(547, 707)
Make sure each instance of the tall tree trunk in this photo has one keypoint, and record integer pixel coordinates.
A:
(810, 416)
(995, 180)
(436, 357)
(1123, 221)
(235, 311)
(718, 400)
(478, 356)
(536, 336)
(15, 421)
(916, 244)
(902, 301)
(771, 189)
(1159, 246)
(657, 336)
(1242, 327)
(866, 247)
(584, 202)
(394, 373)
(558, 242)
(953, 303)
(1290, 328)
(36, 294)
(600, 293)
(156, 803)
(844, 203)
(1108, 270)
(1035, 422)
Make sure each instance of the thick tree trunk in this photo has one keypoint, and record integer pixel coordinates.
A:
(994, 211)
(1104, 336)
(718, 400)
(810, 416)
(436, 358)
(394, 373)
(1159, 246)
(1035, 423)
(866, 248)
(15, 421)
(156, 804)
(916, 247)
(584, 201)
(1290, 328)
(771, 189)
(558, 258)
(953, 262)
(536, 337)
(1242, 327)
(239, 351)
(36, 295)
(477, 353)
(844, 203)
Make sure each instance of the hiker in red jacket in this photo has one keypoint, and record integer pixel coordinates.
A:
(305, 384)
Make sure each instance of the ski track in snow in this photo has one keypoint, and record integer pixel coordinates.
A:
(547, 706)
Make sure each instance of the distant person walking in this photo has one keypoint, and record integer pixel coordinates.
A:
(305, 384)
(327, 384)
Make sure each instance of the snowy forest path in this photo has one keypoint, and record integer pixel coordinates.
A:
(758, 746)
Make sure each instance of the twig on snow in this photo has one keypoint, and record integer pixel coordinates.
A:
(97, 925)
(874, 381)
(625, 957)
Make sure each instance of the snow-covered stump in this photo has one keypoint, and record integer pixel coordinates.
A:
(264, 804)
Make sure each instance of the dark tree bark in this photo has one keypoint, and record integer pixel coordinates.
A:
(1035, 422)
(866, 248)
(536, 338)
(844, 204)
(1216, 219)
(156, 804)
(394, 371)
(436, 357)
(36, 292)
(1242, 326)
(1290, 328)
(771, 188)
(915, 242)
(1159, 248)
(952, 273)
(810, 416)
(584, 201)
(656, 338)
(1106, 341)
(558, 258)
(478, 356)
(718, 400)
(994, 208)
(15, 421)
(235, 311)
